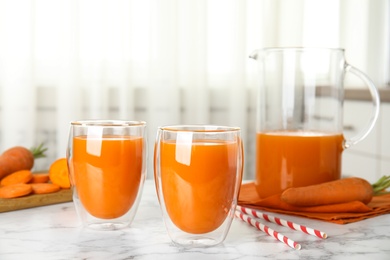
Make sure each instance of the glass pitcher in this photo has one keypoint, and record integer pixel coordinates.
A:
(299, 127)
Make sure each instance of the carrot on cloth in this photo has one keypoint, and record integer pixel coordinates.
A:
(15, 190)
(332, 192)
(59, 173)
(40, 178)
(44, 188)
(341, 213)
(23, 176)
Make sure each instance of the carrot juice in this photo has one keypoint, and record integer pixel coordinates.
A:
(293, 159)
(198, 182)
(107, 173)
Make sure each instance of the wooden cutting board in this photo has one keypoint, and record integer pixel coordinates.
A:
(36, 200)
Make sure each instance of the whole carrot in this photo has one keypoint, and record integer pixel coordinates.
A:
(19, 158)
(333, 192)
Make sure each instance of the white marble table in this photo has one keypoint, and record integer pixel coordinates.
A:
(54, 232)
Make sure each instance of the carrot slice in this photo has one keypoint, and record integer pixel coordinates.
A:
(15, 190)
(59, 173)
(40, 178)
(22, 176)
(44, 188)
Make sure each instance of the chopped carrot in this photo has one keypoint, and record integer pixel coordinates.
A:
(19, 158)
(15, 190)
(59, 173)
(333, 192)
(43, 188)
(40, 178)
(23, 176)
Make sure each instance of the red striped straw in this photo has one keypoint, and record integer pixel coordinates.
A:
(282, 238)
(282, 222)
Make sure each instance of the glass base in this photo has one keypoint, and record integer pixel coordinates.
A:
(195, 241)
(104, 226)
(91, 222)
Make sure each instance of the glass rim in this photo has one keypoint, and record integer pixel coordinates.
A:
(297, 49)
(200, 128)
(301, 48)
(108, 123)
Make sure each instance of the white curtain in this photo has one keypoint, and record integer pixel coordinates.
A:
(162, 61)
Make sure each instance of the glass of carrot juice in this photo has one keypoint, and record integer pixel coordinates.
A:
(107, 168)
(198, 172)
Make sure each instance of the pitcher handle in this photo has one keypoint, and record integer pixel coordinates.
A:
(375, 112)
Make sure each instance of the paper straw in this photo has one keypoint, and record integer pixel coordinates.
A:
(282, 222)
(282, 238)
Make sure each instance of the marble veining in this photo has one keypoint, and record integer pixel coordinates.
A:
(54, 232)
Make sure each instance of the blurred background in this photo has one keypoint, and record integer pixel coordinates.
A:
(172, 62)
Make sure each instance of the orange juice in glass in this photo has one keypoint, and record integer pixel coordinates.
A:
(198, 171)
(107, 170)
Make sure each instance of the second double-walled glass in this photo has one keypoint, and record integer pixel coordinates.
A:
(198, 172)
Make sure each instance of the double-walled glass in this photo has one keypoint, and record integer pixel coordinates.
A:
(107, 166)
(198, 172)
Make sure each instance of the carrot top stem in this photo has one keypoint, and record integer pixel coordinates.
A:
(381, 185)
(39, 151)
